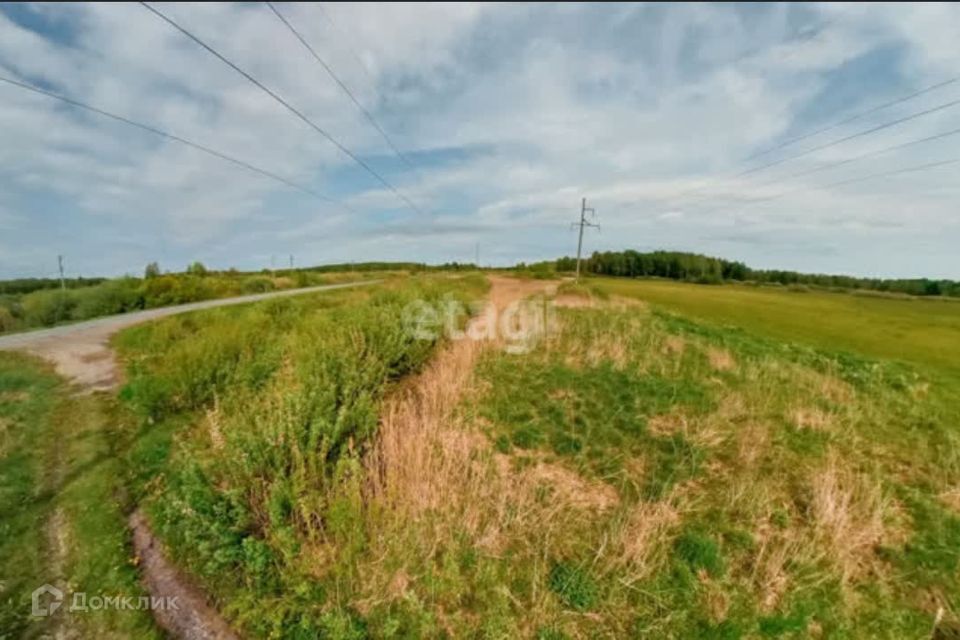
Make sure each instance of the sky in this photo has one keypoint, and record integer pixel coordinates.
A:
(506, 116)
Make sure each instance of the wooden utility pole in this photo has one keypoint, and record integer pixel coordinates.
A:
(63, 283)
(583, 223)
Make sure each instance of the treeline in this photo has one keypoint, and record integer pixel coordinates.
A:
(26, 285)
(391, 266)
(694, 267)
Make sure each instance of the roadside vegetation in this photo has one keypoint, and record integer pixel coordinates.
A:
(48, 306)
(255, 421)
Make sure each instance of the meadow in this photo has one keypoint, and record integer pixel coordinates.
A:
(640, 474)
(921, 331)
(670, 460)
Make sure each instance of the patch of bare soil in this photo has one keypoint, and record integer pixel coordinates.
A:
(84, 358)
(192, 618)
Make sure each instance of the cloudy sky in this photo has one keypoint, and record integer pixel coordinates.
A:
(508, 115)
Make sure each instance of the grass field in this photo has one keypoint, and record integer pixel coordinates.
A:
(923, 332)
(678, 469)
(643, 475)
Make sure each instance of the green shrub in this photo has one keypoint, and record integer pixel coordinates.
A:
(7, 321)
(48, 307)
(258, 284)
(109, 298)
(288, 393)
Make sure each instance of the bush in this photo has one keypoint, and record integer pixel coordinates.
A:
(47, 307)
(109, 298)
(258, 284)
(7, 321)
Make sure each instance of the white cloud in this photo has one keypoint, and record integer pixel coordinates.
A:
(512, 112)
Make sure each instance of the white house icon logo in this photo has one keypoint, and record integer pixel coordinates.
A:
(46, 600)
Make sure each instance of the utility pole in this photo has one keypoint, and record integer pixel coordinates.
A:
(583, 223)
(63, 283)
(291, 262)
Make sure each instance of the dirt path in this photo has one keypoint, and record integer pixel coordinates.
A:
(193, 618)
(81, 352)
(409, 467)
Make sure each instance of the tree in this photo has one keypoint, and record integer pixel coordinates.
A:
(152, 271)
(197, 269)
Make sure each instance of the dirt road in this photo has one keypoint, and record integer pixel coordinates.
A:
(81, 351)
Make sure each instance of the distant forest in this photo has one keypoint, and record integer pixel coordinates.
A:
(707, 270)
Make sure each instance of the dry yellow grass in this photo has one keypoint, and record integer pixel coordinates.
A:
(849, 514)
(951, 498)
(811, 418)
(640, 539)
(721, 359)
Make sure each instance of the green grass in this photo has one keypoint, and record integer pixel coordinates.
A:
(59, 454)
(253, 425)
(923, 332)
(639, 473)
(699, 420)
(27, 402)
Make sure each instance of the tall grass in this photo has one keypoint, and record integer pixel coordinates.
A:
(281, 400)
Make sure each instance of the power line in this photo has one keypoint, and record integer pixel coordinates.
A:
(170, 136)
(869, 154)
(831, 185)
(353, 52)
(287, 105)
(839, 163)
(803, 39)
(859, 134)
(346, 90)
(855, 117)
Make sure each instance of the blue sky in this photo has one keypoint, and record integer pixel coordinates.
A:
(509, 113)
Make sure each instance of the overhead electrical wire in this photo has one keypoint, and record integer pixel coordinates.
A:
(175, 138)
(869, 154)
(346, 151)
(840, 183)
(827, 145)
(859, 134)
(855, 117)
(326, 66)
(353, 52)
